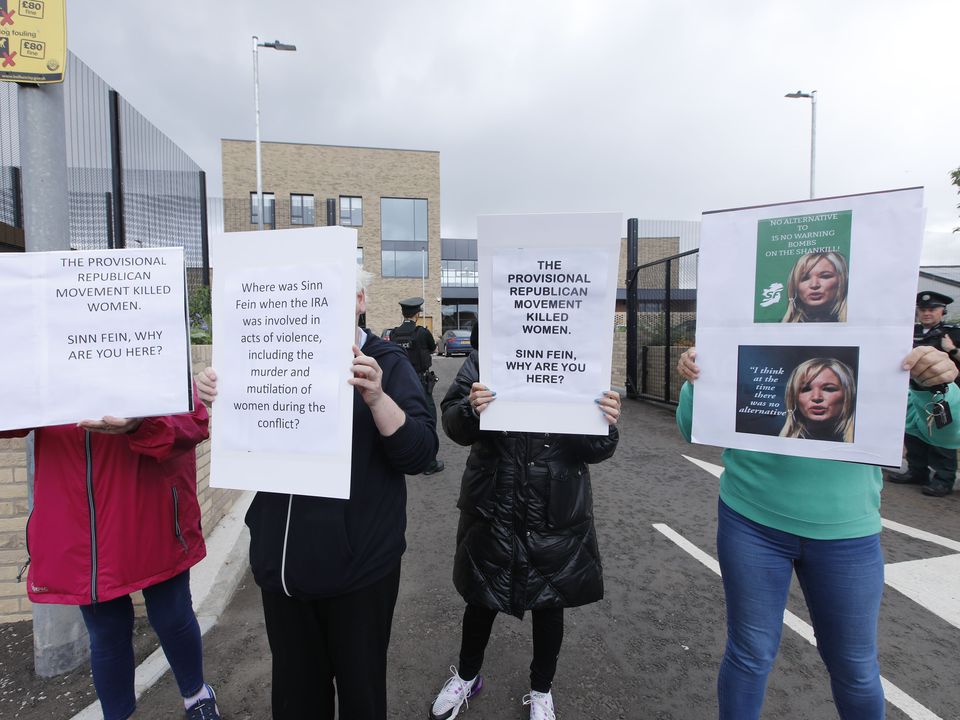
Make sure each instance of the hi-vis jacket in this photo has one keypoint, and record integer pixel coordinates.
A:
(113, 513)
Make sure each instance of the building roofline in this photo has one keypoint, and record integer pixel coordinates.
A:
(343, 147)
(939, 278)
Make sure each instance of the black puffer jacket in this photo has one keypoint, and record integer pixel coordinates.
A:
(526, 538)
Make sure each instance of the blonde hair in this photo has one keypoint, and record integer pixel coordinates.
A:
(837, 312)
(796, 424)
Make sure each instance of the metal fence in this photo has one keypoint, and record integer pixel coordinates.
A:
(661, 320)
(10, 214)
(129, 185)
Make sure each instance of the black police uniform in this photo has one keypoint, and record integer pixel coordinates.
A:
(420, 346)
(921, 455)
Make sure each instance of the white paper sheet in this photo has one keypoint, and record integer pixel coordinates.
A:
(284, 323)
(750, 344)
(547, 299)
(93, 333)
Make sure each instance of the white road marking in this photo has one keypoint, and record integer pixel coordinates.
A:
(894, 695)
(933, 583)
(714, 470)
(913, 532)
(922, 535)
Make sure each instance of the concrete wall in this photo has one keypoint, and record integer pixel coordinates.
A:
(14, 604)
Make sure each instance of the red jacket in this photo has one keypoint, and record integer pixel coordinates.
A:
(113, 513)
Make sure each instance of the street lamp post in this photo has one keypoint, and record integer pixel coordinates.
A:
(276, 45)
(423, 275)
(813, 130)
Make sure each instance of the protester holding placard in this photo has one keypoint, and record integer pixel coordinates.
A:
(115, 511)
(328, 568)
(526, 539)
(821, 518)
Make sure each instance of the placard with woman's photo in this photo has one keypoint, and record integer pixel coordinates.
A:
(807, 393)
(804, 314)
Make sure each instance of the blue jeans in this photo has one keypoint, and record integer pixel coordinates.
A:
(110, 625)
(842, 582)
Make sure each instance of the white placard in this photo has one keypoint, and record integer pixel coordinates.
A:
(548, 293)
(804, 314)
(93, 333)
(284, 321)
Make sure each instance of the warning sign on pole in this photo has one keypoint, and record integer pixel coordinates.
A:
(33, 41)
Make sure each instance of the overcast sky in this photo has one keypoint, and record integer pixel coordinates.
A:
(660, 109)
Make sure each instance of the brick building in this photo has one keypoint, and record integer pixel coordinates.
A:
(392, 198)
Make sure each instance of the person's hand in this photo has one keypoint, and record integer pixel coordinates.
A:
(206, 381)
(111, 425)
(687, 366)
(947, 344)
(480, 396)
(609, 404)
(367, 376)
(929, 366)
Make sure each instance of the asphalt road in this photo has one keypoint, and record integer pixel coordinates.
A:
(651, 647)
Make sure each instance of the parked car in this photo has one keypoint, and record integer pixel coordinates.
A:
(386, 333)
(455, 342)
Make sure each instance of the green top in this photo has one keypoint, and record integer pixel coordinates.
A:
(813, 498)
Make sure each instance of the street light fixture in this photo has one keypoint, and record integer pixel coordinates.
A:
(276, 45)
(813, 130)
(423, 275)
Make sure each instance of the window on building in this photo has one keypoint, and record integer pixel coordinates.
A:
(458, 273)
(360, 256)
(456, 315)
(302, 210)
(269, 217)
(351, 211)
(403, 237)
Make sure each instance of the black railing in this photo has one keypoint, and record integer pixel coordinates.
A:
(662, 314)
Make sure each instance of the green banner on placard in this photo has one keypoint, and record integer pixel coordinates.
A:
(803, 266)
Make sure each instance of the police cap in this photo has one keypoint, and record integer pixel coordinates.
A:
(411, 305)
(932, 299)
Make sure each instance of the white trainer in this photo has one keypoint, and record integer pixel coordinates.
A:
(454, 695)
(541, 705)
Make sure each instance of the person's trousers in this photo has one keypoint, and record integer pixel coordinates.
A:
(547, 640)
(427, 384)
(110, 626)
(921, 456)
(842, 582)
(315, 642)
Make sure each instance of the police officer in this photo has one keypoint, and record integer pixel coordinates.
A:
(420, 346)
(931, 330)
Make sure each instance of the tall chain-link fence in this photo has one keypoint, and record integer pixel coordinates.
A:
(662, 307)
(11, 237)
(129, 185)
